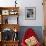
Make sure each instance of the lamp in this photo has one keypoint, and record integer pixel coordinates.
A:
(15, 3)
(15, 30)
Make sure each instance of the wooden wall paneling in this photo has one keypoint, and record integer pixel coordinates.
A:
(44, 7)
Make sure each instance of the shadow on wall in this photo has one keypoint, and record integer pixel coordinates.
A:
(37, 29)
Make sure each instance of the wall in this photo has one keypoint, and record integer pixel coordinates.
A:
(6, 3)
(39, 13)
(25, 3)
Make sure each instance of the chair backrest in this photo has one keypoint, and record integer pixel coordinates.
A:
(29, 32)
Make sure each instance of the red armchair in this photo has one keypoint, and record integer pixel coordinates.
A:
(28, 34)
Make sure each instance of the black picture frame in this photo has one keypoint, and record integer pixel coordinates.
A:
(30, 13)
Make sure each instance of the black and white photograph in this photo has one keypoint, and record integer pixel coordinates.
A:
(30, 13)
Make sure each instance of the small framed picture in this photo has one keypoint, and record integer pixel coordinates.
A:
(5, 12)
(30, 13)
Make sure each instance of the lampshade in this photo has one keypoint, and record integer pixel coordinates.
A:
(15, 3)
(15, 30)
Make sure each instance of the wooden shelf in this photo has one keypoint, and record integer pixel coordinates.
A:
(5, 8)
(4, 13)
(9, 43)
(11, 26)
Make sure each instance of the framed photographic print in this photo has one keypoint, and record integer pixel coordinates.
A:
(30, 13)
(5, 12)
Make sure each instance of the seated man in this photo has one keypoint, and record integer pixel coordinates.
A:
(30, 38)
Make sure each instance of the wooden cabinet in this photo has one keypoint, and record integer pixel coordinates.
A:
(9, 23)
